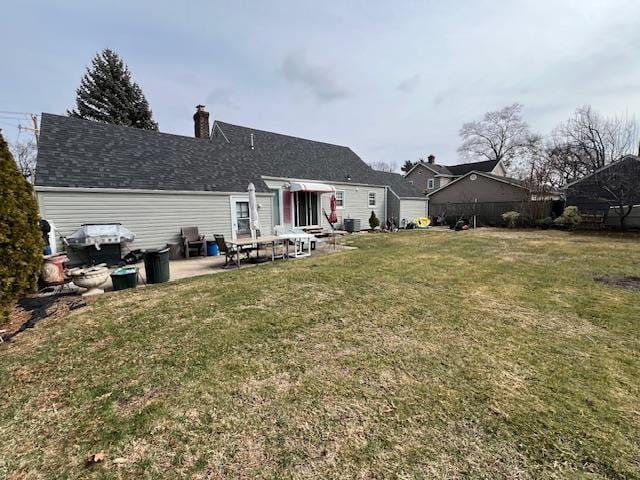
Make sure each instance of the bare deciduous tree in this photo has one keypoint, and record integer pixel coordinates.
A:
(536, 166)
(620, 188)
(383, 166)
(589, 141)
(500, 135)
(24, 154)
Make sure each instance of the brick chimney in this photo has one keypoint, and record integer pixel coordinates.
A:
(431, 158)
(201, 122)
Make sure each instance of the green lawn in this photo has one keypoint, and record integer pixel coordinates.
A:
(486, 354)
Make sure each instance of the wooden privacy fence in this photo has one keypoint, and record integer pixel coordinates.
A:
(490, 213)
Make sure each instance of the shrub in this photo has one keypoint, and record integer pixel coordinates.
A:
(545, 223)
(373, 220)
(570, 218)
(450, 220)
(20, 238)
(511, 218)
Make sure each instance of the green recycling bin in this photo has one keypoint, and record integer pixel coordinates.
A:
(156, 265)
(124, 277)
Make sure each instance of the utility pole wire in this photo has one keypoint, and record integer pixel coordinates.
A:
(35, 129)
(16, 113)
(11, 117)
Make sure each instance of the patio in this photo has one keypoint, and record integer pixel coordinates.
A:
(196, 266)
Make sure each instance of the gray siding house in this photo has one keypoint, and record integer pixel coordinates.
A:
(613, 191)
(429, 176)
(155, 183)
(479, 187)
(483, 195)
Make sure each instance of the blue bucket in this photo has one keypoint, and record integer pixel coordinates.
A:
(212, 249)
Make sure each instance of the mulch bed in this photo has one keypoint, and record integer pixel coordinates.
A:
(630, 283)
(31, 310)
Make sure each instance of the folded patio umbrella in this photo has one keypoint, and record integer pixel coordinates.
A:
(333, 216)
(254, 220)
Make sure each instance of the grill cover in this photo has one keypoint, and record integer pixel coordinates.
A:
(100, 233)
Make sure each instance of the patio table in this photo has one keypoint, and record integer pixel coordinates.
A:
(264, 240)
(298, 237)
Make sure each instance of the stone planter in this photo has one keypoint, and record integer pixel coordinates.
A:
(90, 278)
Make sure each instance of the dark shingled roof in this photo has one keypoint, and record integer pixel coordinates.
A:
(81, 153)
(515, 181)
(436, 167)
(400, 186)
(464, 168)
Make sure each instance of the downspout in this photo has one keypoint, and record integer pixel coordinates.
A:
(386, 192)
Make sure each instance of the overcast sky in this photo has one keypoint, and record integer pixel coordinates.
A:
(392, 80)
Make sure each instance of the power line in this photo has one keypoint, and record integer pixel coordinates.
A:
(11, 117)
(16, 113)
(7, 115)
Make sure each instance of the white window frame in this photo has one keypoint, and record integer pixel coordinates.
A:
(431, 184)
(344, 196)
(296, 213)
(234, 217)
(375, 199)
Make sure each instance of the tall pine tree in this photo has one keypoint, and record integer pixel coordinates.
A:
(108, 94)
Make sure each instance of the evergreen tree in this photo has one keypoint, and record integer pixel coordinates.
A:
(20, 237)
(408, 165)
(373, 220)
(108, 94)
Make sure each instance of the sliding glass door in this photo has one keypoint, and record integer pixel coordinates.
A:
(306, 208)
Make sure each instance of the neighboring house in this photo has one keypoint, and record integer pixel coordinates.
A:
(154, 183)
(610, 191)
(488, 195)
(430, 176)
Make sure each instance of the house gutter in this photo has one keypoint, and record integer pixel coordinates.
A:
(41, 188)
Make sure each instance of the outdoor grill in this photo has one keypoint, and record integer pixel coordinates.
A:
(101, 241)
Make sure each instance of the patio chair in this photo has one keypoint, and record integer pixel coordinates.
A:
(229, 252)
(192, 240)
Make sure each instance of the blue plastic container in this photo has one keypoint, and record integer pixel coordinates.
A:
(212, 249)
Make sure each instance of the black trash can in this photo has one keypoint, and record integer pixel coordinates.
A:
(156, 265)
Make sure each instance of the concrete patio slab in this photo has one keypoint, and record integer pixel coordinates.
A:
(196, 266)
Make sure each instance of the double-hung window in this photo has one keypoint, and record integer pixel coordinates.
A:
(340, 198)
(430, 184)
(372, 199)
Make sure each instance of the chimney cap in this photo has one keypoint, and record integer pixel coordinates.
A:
(431, 158)
(200, 108)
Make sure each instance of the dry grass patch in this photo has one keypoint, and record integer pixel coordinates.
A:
(485, 354)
